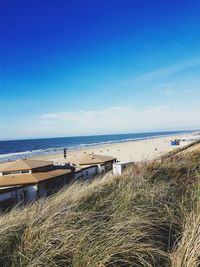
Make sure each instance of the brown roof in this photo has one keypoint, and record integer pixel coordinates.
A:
(23, 165)
(90, 159)
(30, 178)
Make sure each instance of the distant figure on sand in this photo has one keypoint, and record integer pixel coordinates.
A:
(65, 153)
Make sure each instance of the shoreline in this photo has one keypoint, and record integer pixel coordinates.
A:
(137, 150)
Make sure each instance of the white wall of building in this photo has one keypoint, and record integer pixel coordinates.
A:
(86, 173)
(78, 175)
(14, 172)
(119, 167)
(7, 195)
(16, 194)
(42, 190)
(101, 168)
(89, 172)
(31, 191)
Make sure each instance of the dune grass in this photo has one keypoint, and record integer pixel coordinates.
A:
(147, 217)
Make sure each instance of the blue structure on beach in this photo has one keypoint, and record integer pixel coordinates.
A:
(175, 142)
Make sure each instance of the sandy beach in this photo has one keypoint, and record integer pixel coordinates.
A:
(140, 150)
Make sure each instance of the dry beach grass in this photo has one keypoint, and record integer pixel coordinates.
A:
(148, 217)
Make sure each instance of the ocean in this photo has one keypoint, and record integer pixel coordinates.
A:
(15, 149)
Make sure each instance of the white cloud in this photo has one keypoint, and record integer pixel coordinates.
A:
(168, 88)
(120, 119)
(194, 62)
(162, 73)
(175, 89)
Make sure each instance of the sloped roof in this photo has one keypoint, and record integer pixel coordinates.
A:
(23, 165)
(30, 178)
(90, 159)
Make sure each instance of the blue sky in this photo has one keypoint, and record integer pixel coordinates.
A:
(96, 67)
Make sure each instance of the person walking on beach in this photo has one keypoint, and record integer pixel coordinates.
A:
(65, 153)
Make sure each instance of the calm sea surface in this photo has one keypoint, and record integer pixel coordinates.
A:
(14, 149)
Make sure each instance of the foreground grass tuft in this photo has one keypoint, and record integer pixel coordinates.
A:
(147, 217)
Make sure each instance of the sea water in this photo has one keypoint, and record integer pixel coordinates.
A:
(15, 149)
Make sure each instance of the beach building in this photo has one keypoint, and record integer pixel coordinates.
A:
(86, 172)
(104, 163)
(175, 142)
(26, 180)
(90, 165)
(120, 167)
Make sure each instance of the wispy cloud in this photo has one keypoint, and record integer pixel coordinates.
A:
(174, 92)
(82, 115)
(161, 73)
(122, 119)
(170, 92)
(194, 62)
(119, 119)
(175, 89)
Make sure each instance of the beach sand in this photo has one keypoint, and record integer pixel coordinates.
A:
(140, 150)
